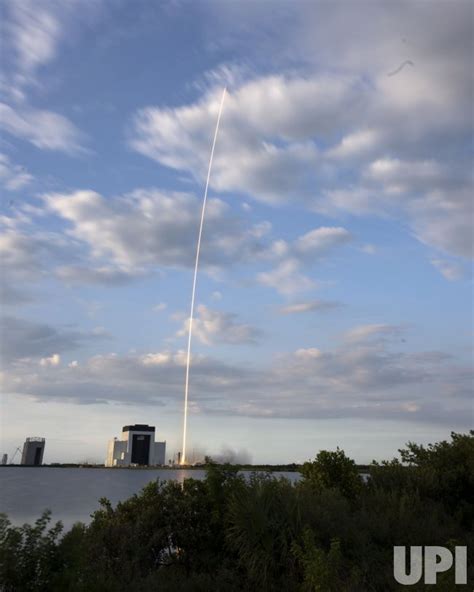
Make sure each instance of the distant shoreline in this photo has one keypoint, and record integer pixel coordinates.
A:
(270, 468)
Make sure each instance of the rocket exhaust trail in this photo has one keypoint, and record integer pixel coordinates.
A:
(193, 293)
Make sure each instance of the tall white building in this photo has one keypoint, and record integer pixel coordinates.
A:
(137, 447)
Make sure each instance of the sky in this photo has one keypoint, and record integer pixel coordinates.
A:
(334, 296)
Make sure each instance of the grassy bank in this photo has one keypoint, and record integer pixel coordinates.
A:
(330, 532)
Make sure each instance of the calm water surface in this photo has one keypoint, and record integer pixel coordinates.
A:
(73, 494)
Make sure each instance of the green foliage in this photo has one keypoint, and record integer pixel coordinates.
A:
(30, 557)
(323, 571)
(329, 532)
(333, 470)
(445, 471)
(262, 521)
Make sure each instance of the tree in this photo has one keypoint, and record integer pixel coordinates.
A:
(445, 472)
(327, 533)
(29, 557)
(322, 571)
(261, 523)
(333, 470)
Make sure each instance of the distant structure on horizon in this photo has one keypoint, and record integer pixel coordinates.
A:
(33, 451)
(4, 459)
(137, 447)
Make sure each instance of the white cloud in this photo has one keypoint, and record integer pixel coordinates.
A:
(448, 269)
(368, 249)
(213, 326)
(160, 307)
(44, 129)
(25, 256)
(13, 176)
(320, 240)
(35, 32)
(370, 332)
(31, 36)
(352, 380)
(443, 219)
(53, 360)
(309, 306)
(148, 228)
(342, 136)
(413, 175)
(286, 278)
(162, 358)
(113, 241)
(356, 144)
(265, 144)
(121, 378)
(355, 199)
(308, 353)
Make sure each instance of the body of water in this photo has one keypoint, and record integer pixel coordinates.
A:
(72, 494)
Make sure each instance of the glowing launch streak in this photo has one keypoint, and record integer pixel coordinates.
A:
(193, 294)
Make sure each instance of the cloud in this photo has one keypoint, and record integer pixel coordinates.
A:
(13, 176)
(25, 256)
(286, 278)
(35, 32)
(44, 129)
(337, 135)
(368, 249)
(213, 326)
(23, 339)
(101, 275)
(356, 379)
(443, 219)
(31, 36)
(53, 360)
(363, 333)
(29, 256)
(265, 146)
(319, 241)
(394, 170)
(160, 307)
(309, 306)
(148, 228)
(451, 271)
(128, 379)
(112, 241)
(355, 144)
(12, 296)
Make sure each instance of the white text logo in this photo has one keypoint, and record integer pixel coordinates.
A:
(436, 560)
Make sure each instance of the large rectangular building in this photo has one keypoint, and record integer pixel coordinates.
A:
(33, 451)
(137, 447)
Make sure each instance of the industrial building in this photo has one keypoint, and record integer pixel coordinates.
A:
(136, 447)
(33, 451)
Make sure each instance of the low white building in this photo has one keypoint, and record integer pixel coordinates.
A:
(137, 447)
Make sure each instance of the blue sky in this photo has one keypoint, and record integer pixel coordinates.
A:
(334, 296)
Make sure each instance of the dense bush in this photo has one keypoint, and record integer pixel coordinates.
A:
(330, 532)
